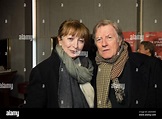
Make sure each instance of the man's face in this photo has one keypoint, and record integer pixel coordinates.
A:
(142, 50)
(107, 41)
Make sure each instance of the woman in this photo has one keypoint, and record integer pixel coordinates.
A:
(63, 80)
(123, 79)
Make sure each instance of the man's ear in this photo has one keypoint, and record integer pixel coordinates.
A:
(120, 41)
(148, 50)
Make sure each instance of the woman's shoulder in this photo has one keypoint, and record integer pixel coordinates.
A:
(51, 61)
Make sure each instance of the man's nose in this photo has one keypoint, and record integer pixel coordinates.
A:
(104, 43)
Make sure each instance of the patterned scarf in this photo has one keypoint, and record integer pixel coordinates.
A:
(110, 69)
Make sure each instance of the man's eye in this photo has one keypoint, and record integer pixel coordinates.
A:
(98, 39)
(109, 38)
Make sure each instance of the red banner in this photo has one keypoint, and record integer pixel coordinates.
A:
(132, 39)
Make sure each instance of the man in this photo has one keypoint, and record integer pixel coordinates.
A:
(147, 48)
(123, 79)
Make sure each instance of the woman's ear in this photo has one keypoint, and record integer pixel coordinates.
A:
(59, 40)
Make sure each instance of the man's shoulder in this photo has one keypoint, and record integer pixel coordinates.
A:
(138, 58)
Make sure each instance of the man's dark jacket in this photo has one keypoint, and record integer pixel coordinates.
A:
(142, 76)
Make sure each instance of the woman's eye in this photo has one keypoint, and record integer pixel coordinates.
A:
(70, 39)
(81, 40)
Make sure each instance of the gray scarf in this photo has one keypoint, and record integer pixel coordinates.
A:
(82, 74)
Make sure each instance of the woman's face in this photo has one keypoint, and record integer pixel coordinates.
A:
(107, 41)
(72, 45)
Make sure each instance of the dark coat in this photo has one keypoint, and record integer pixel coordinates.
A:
(42, 91)
(142, 76)
(43, 82)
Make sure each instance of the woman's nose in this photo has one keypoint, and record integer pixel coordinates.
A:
(75, 43)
